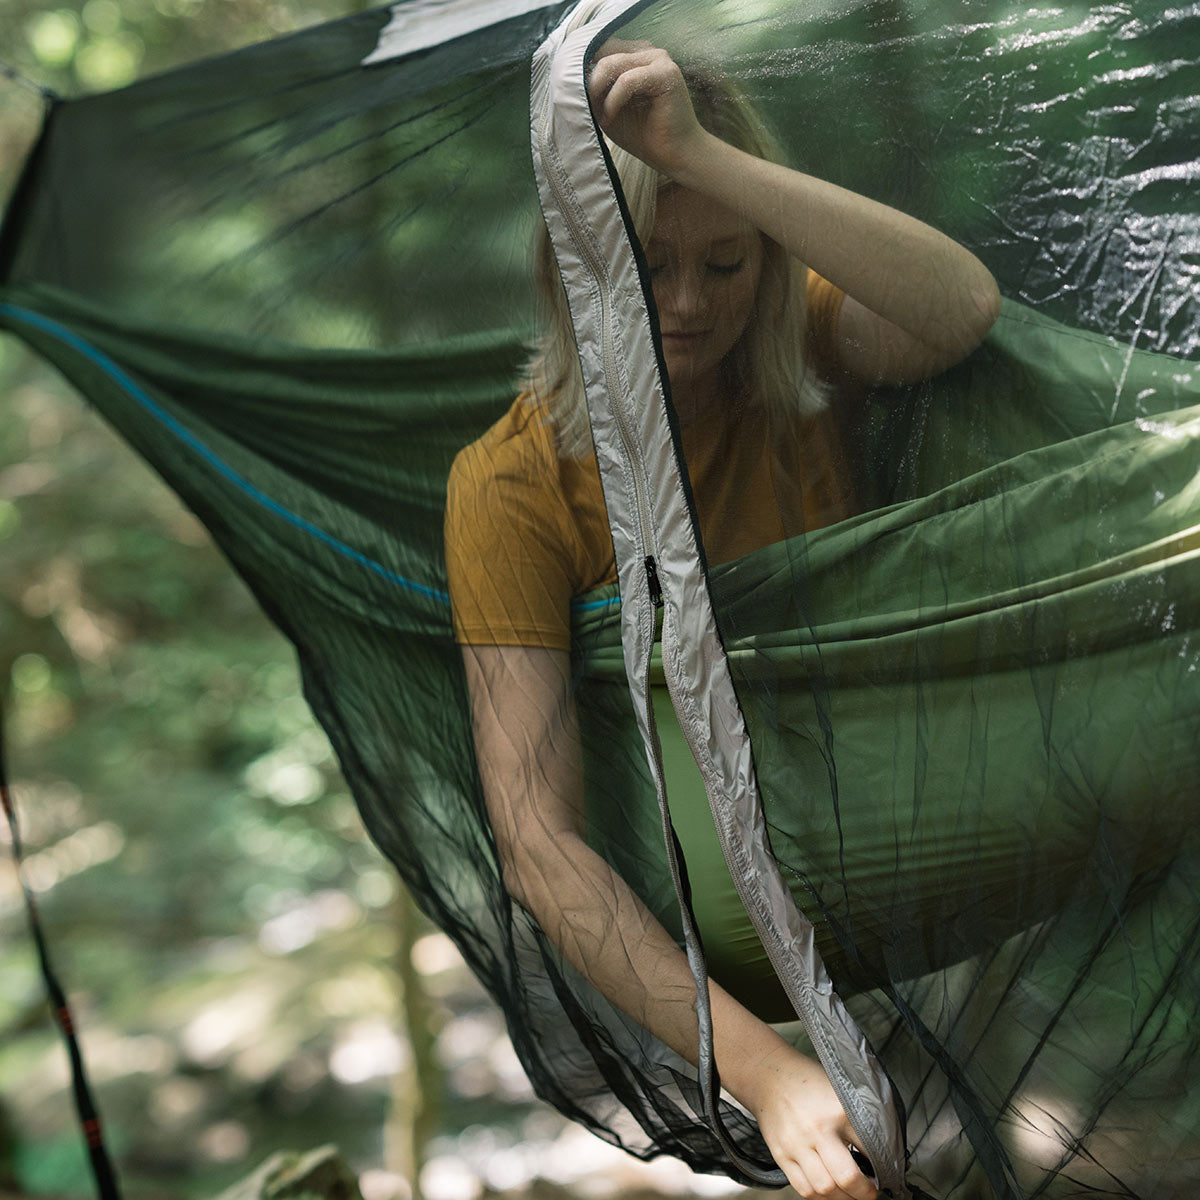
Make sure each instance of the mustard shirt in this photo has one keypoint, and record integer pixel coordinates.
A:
(527, 530)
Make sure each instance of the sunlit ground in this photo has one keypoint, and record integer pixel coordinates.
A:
(240, 1028)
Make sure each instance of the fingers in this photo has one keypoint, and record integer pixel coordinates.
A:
(641, 70)
(620, 46)
(641, 101)
(617, 46)
(632, 86)
(611, 59)
(829, 1175)
(807, 1131)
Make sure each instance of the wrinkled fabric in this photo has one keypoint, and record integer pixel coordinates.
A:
(299, 285)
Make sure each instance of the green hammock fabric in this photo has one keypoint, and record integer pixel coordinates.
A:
(299, 286)
(1016, 636)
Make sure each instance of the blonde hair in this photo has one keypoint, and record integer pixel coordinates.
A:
(767, 365)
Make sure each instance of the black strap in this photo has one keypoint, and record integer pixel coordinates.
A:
(89, 1119)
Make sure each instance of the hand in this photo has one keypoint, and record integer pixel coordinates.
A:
(807, 1132)
(641, 100)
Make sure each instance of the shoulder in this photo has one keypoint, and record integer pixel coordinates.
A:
(525, 433)
(508, 539)
(517, 448)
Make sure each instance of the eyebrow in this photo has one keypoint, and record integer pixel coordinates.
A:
(719, 244)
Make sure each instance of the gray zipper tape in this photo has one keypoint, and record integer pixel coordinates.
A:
(651, 521)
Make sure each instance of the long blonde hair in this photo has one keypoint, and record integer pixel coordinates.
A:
(766, 366)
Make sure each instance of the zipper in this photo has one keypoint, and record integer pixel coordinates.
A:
(873, 1150)
(656, 596)
(646, 616)
(556, 176)
(558, 180)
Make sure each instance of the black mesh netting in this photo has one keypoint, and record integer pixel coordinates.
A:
(958, 597)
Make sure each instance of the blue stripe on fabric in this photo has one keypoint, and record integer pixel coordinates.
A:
(590, 605)
(110, 368)
(106, 364)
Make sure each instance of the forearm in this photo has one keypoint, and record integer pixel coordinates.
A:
(527, 749)
(609, 935)
(902, 269)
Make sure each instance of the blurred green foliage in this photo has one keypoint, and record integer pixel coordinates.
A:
(186, 829)
(223, 925)
(210, 897)
(101, 44)
(246, 974)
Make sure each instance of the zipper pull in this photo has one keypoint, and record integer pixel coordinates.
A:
(656, 595)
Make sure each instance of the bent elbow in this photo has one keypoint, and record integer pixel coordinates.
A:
(525, 870)
(986, 303)
(541, 873)
(979, 311)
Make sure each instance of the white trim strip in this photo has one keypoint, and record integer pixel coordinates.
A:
(419, 24)
(650, 517)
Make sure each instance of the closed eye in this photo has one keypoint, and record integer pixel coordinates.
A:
(726, 268)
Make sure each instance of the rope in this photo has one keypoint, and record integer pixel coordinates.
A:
(89, 1118)
(11, 73)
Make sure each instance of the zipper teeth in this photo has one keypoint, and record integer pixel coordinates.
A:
(646, 614)
(556, 176)
(776, 948)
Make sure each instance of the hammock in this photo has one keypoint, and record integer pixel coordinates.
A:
(949, 741)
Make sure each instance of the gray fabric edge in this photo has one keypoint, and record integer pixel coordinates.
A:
(584, 261)
(649, 513)
(421, 24)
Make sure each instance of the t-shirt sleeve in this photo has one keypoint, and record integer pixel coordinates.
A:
(823, 304)
(508, 552)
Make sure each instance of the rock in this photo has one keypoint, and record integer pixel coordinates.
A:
(316, 1175)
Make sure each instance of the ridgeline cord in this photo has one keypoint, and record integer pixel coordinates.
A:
(11, 73)
(89, 1119)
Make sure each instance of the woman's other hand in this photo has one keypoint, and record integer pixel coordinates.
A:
(641, 101)
(806, 1130)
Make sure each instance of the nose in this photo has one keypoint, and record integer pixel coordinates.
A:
(682, 297)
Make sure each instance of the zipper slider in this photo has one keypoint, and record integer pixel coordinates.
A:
(656, 595)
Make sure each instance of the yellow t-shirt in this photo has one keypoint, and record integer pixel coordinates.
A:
(527, 530)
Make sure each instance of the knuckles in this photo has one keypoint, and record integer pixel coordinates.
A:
(651, 62)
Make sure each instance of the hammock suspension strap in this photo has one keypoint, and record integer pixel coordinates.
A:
(85, 1106)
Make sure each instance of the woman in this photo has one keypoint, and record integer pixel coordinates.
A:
(724, 230)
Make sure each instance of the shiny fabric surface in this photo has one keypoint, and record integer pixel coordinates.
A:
(299, 282)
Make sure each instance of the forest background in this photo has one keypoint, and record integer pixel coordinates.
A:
(248, 974)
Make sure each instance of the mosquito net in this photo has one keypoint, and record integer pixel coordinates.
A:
(701, 573)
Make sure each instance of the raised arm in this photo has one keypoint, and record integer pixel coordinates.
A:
(917, 302)
(527, 746)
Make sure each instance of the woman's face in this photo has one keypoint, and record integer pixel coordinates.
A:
(705, 264)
